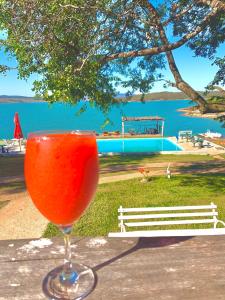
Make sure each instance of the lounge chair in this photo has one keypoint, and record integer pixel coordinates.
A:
(14, 145)
(3, 148)
(185, 134)
(200, 143)
(197, 140)
(194, 140)
(132, 132)
(116, 132)
(151, 131)
(105, 133)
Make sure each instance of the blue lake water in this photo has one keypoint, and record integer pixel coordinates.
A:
(136, 145)
(42, 116)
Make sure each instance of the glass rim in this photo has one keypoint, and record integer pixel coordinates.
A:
(42, 133)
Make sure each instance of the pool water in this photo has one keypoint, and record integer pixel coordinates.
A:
(136, 145)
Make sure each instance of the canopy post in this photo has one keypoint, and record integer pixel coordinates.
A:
(162, 128)
(122, 127)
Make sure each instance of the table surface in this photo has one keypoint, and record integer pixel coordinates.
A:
(144, 268)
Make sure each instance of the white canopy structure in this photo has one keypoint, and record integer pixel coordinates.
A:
(146, 127)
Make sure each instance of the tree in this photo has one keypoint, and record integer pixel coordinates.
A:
(206, 43)
(85, 49)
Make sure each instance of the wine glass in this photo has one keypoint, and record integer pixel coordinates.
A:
(61, 173)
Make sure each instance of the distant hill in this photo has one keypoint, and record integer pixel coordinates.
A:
(160, 96)
(164, 96)
(18, 99)
(120, 97)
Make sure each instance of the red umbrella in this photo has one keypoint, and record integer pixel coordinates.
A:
(17, 131)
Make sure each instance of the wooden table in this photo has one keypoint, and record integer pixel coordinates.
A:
(145, 268)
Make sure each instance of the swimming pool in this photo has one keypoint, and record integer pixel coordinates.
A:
(130, 145)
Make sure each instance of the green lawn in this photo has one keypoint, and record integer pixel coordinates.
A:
(12, 188)
(143, 159)
(101, 216)
(13, 165)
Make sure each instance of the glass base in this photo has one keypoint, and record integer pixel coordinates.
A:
(82, 283)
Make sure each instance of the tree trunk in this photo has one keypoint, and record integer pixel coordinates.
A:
(180, 83)
(184, 86)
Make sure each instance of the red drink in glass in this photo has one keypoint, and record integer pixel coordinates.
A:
(61, 172)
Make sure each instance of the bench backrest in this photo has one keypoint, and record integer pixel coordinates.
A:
(178, 215)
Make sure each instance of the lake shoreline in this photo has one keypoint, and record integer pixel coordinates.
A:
(195, 113)
(11, 101)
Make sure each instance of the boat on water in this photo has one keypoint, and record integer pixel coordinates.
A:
(212, 135)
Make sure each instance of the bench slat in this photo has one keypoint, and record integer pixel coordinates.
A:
(168, 233)
(170, 208)
(203, 221)
(175, 215)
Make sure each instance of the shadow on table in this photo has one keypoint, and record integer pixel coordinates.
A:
(143, 243)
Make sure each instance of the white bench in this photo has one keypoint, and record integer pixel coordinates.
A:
(177, 215)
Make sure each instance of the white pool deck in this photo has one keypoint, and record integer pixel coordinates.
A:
(209, 148)
(188, 148)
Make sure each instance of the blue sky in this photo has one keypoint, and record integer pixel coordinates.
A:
(197, 71)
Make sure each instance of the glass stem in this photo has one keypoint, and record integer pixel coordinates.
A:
(68, 275)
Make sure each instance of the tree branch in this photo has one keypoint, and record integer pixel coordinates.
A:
(157, 50)
(4, 69)
(173, 84)
(177, 16)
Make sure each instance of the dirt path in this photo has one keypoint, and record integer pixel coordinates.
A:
(159, 169)
(219, 157)
(20, 219)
